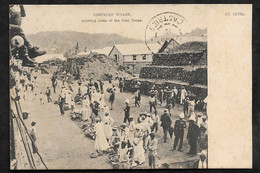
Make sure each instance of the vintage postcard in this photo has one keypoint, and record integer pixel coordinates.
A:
(130, 86)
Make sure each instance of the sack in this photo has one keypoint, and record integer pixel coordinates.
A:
(93, 155)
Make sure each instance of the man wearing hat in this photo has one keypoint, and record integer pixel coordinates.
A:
(179, 131)
(127, 111)
(166, 123)
(152, 147)
(192, 136)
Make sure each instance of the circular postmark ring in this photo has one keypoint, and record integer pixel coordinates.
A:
(163, 27)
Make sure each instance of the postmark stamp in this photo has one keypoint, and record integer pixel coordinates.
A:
(163, 27)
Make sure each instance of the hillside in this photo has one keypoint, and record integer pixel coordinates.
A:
(194, 46)
(60, 41)
(195, 35)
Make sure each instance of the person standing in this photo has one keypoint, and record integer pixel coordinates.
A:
(54, 83)
(96, 85)
(131, 129)
(139, 157)
(101, 143)
(179, 131)
(68, 97)
(152, 103)
(174, 96)
(152, 147)
(61, 101)
(183, 95)
(112, 99)
(136, 97)
(155, 119)
(185, 106)
(192, 136)
(127, 111)
(108, 122)
(33, 136)
(161, 95)
(48, 94)
(203, 138)
(191, 106)
(146, 131)
(121, 85)
(166, 123)
(101, 84)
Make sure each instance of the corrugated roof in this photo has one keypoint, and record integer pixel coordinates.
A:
(136, 49)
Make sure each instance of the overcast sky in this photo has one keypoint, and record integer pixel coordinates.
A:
(69, 18)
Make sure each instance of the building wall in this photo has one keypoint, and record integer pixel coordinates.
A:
(139, 59)
(115, 53)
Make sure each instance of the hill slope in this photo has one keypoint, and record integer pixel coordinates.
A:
(61, 41)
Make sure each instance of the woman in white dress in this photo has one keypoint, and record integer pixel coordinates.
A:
(85, 110)
(138, 146)
(131, 130)
(101, 143)
(108, 122)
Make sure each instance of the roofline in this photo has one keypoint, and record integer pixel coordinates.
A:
(111, 50)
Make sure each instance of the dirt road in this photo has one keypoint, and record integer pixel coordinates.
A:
(62, 143)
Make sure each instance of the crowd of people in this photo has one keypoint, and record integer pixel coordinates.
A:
(128, 143)
(133, 138)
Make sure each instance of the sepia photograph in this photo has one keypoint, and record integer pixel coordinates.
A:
(108, 87)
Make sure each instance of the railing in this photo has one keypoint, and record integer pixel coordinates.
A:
(21, 139)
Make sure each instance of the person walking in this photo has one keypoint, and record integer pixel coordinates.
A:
(179, 132)
(166, 124)
(127, 111)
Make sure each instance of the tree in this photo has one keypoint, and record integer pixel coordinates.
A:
(77, 48)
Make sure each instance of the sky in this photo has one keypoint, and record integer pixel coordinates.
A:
(70, 18)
